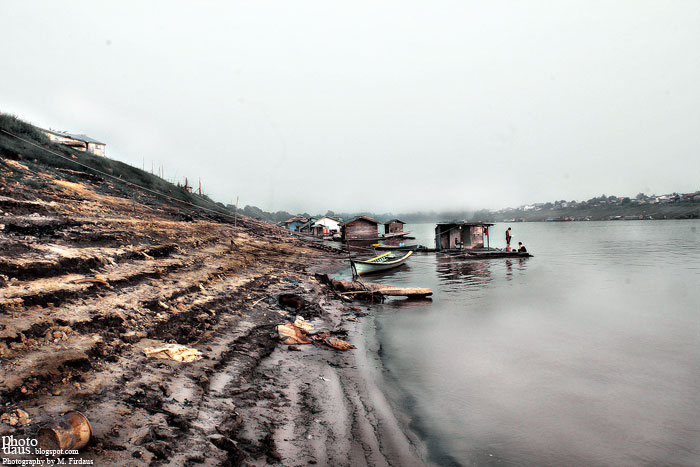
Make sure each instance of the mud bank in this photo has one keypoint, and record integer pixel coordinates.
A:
(331, 409)
(90, 276)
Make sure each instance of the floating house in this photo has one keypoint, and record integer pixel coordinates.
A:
(461, 235)
(294, 223)
(360, 228)
(79, 142)
(394, 226)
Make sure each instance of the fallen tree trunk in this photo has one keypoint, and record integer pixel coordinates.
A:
(381, 289)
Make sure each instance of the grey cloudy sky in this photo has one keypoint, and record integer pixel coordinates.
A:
(377, 105)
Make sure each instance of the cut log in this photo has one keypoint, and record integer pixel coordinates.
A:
(388, 290)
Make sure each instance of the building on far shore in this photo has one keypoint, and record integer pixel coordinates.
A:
(79, 142)
(360, 228)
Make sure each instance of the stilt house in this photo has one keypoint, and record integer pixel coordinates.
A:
(360, 228)
(460, 235)
(393, 226)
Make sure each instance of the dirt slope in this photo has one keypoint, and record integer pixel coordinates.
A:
(90, 277)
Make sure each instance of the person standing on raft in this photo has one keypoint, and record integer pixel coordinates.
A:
(508, 237)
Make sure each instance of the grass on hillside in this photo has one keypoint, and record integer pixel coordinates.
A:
(38, 158)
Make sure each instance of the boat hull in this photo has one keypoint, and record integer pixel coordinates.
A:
(380, 263)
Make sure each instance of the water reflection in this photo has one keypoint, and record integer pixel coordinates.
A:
(456, 271)
(585, 354)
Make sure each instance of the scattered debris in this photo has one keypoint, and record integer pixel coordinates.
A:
(292, 301)
(98, 279)
(72, 431)
(354, 287)
(291, 334)
(304, 325)
(16, 417)
(177, 352)
(339, 344)
(257, 301)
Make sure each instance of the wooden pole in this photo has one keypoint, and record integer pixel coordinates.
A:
(235, 214)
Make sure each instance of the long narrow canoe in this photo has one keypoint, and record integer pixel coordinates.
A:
(497, 254)
(380, 263)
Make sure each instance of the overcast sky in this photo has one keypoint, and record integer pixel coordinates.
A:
(380, 106)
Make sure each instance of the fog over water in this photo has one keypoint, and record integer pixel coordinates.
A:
(460, 104)
(585, 354)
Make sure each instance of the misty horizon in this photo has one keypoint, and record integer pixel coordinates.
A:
(392, 107)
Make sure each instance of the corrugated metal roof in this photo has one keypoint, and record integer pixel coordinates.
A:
(84, 138)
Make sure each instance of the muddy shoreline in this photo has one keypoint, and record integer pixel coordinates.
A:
(90, 278)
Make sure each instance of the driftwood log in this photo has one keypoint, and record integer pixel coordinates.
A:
(381, 289)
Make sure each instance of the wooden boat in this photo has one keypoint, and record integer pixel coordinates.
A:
(379, 246)
(380, 263)
(496, 254)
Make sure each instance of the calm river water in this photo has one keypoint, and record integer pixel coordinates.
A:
(586, 354)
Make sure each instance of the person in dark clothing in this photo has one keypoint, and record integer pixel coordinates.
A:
(508, 237)
(521, 248)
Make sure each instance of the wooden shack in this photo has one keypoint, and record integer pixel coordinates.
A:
(460, 235)
(360, 228)
(393, 226)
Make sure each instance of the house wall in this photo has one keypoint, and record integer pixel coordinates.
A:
(97, 149)
(454, 236)
(448, 237)
(474, 237)
(361, 228)
(393, 227)
(74, 143)
(329, 224)
(294, 226)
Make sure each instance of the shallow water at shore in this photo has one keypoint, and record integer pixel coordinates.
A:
(586, 354)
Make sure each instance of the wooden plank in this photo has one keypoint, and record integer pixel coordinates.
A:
(388, 290)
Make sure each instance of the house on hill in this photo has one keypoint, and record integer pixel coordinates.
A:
(360, 228)
(79, 142)
(294, 223)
